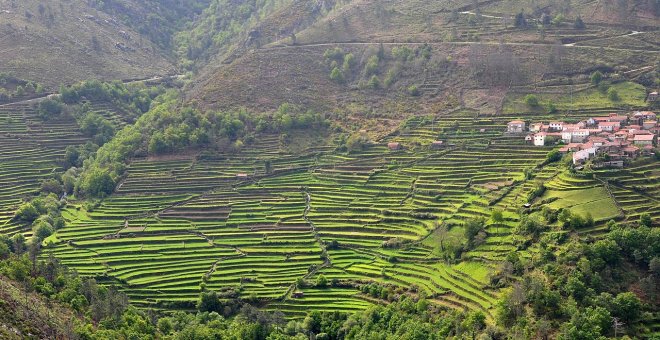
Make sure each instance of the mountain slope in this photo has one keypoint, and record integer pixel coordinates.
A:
(68, 41)
(473, 46)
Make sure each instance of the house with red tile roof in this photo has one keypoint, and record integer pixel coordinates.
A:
(644, 139)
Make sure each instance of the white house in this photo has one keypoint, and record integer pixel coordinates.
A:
(557, 126)
(539, 139)
(575, 135)
(583, 155)
(515, 126)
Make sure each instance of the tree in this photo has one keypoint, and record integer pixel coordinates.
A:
(532, 100)
(546, 19)
(374, 82)
(322, 281)
(52, 186)
(336, 75)
(613, 95)
(26, 213)
(413, 90)
(97, 183)
(497, 216)
(49, 108)
(596, 77)
(474, 322)
(209, 302)
(42, 229)
(520, 21)
(627, 306)
(579, 24)
(645, 220)
(553, 156)
(472, 228)
(71, 155)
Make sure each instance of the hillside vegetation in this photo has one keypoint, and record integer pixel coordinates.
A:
(62, 42)
(294, 169)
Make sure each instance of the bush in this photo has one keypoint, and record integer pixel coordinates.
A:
(27, 213)
(374, 82)
(520, 21)
(97, 183)
(413, 90)
(401, 53)
(613, 95)
(372, 65)
(336, 75)
(349, 62)
(357, 141)
(596, 77)
(553, 156)
(96, 126)
(532, 100)
(322, 282)
(49, 108)
(579, 24)
(336, 54)
(52, 186)
(42, 229)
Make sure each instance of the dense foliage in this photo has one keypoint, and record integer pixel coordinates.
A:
(157, 20)
(168, 127)
(220, 23)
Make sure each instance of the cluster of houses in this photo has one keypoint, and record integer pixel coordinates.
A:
(615, 137)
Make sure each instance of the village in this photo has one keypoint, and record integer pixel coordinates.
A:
(609, 141)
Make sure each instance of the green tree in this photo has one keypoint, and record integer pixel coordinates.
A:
(472, 228)
(322, 281)
(374, 82)
(413, 90)
(532, 100)
(553, 156)
(49, 108)
(209, 302)
(26, 213)
(336, 75)
(628, 307)
(52, 186)
(42, 230)
(497, 216)
(645, 220)
(579, 24)
(613, 95)
(596, 77)
(97, 183)
(520, 21)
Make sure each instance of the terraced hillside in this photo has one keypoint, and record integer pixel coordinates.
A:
(178, 226)
(31, 152)
(298, 172)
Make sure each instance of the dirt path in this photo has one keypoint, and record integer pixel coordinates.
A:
(455, 43)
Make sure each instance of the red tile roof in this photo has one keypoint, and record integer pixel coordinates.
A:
(646, 137)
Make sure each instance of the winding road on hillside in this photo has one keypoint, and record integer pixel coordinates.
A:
(456, 43)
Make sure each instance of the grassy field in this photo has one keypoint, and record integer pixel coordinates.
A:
(631, 95)
(594, 201)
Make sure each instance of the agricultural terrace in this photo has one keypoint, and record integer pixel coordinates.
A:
(30, 150)
(176, 226)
